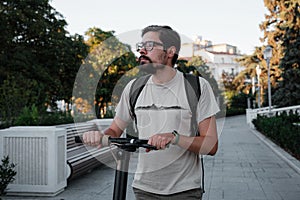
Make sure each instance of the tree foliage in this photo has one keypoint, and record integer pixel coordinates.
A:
(281, 30)
(38, 57)
(230, 90)
(107, 62)
(200, 68)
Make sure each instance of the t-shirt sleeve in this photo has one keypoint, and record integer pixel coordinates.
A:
(207, 105)
(123, 107)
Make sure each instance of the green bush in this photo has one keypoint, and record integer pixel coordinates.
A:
(7, 174)
(32, 117)
(235, 111)
(55, 118)
(237, 104)
(240, 101)
(28, 116)
(282, 130)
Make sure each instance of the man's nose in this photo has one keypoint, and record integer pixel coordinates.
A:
(143, 51)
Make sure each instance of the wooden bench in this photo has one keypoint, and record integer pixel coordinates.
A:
(81, 159)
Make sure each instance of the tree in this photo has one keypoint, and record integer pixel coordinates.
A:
(13, 98)
(107, 62)
(230, 90)
(286, 34)
(282, 31)
(73, 51)
(36, 54)
(242, 80)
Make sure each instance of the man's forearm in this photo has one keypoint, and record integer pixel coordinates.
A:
(207, 145)
(114, 129)
(111, 132)
(207, 142)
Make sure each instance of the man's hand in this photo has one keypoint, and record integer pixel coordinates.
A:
(161, 140)
(93, 138)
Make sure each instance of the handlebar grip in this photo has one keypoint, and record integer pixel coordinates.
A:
(148, 146)
(105, 140)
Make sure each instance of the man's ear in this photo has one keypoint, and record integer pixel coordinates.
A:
(172, 51)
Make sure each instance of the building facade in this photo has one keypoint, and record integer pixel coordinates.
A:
(220, 58)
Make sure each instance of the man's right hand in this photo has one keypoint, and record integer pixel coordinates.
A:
(93, 138)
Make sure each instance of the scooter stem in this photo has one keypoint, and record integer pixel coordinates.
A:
(121, 175)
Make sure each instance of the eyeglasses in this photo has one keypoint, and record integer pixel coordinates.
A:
(148, 45)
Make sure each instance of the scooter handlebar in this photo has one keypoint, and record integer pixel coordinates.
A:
(122, 142)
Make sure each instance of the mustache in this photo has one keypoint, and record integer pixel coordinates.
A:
(145, 58)
(146, 67)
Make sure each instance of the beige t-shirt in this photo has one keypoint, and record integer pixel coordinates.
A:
(162, 109)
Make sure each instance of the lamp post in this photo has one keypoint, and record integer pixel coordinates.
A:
(267, 57)
(258, 72)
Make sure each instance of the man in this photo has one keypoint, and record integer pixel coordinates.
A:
(164, 117)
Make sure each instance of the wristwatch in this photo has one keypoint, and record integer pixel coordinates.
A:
(176, 134)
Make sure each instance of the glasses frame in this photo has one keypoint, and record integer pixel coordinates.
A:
(151, 44)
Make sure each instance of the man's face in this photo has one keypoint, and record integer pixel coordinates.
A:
(154, 59)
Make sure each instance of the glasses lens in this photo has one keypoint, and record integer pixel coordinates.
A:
(139, 46)
(149, 45)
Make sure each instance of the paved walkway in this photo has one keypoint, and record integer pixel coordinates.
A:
(247, 166)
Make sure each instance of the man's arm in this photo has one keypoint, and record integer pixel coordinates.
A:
(206, 143)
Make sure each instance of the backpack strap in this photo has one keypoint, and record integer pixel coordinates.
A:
(135, 90)
(193, 92)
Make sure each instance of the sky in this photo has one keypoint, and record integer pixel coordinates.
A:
(234, 22)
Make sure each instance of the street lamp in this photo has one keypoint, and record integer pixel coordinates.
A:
(258, 72)
(267, 57)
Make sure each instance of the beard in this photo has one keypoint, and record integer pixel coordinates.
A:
(147, 65)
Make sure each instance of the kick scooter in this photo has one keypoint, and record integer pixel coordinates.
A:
(125, 147)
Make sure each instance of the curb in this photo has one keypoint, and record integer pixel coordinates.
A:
(290, 160)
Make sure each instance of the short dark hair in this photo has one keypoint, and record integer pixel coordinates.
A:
(168, 36)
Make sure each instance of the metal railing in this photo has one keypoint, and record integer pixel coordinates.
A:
(253, 113)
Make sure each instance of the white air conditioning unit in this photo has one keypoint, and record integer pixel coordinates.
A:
(40, 157)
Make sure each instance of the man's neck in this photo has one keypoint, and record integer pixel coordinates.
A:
(164, 75)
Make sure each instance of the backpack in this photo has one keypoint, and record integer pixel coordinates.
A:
(193, 92)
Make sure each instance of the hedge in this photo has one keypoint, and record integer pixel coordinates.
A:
(283, 130)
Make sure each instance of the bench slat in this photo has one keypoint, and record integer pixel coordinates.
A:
(81, 159)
